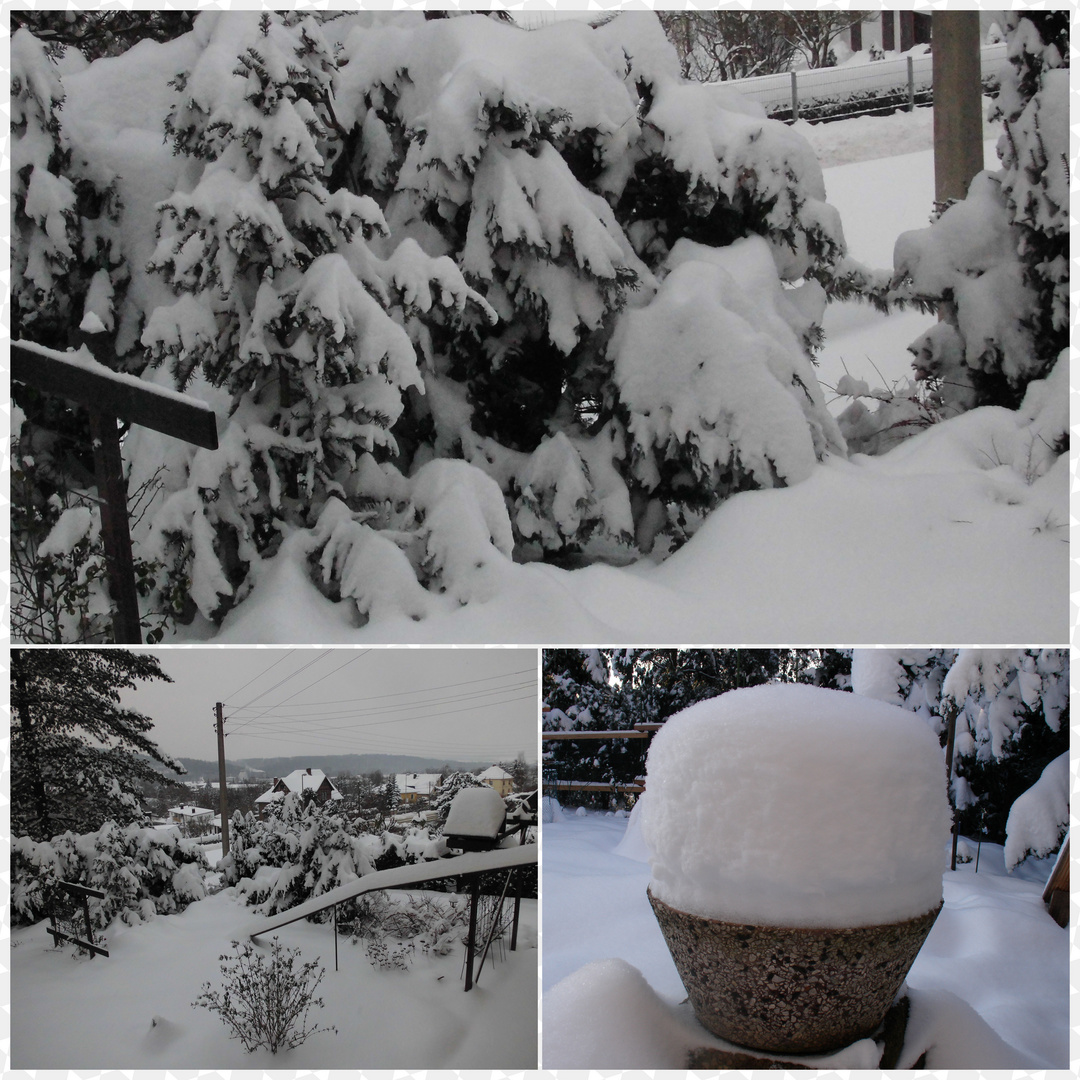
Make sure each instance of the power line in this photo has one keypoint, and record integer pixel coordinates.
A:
(401, 693)
(355, 656)
(262, 673)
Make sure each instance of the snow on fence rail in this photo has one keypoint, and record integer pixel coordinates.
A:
(856, 88)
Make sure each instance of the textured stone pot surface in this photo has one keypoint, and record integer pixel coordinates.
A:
(790, 990)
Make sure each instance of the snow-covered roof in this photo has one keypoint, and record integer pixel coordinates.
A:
(298, 780)
(189, 811)
(496, 772)
(420, 783)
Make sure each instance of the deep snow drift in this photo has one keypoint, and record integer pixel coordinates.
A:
(989, 990)
(133, 1009)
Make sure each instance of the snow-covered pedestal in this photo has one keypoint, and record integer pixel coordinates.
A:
(797, 839)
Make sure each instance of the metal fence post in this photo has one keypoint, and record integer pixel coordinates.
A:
(794, 98)
(910, 83)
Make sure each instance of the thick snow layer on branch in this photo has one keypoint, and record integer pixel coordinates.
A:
(714, 362)
(792, 805)
(1040, 817)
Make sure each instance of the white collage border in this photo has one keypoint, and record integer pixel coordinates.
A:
(5, 576)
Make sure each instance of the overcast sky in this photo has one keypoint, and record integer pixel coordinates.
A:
(457, 704)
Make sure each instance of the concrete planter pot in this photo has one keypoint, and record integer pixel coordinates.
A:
(790, 990)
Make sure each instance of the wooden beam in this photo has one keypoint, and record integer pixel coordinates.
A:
(578, 736)
(79, 378)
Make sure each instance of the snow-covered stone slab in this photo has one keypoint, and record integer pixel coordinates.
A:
(476, 812)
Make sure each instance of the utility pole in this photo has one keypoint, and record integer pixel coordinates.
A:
(958, 134)
(221, 780)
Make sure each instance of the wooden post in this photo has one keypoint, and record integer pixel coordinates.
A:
(110, 397)
(115, 535)
(958, 133)
(223, 794)
(951, 709)
(335, 937)
(911, 84)
(794, 98)
(470, 947)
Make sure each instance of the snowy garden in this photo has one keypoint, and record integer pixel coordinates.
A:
(422, 271)
(391, 963)
(785, 889)
(402, 936)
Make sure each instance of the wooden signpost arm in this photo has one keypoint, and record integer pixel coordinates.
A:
(110, 396)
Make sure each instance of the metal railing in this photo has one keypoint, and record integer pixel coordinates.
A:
(834, 93)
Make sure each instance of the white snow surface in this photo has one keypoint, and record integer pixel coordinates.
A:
(133, 1010)
(793, 805)
(989, 989)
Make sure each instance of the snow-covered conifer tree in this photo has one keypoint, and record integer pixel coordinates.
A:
(1012, 717)
(460, 293)
(996, 262)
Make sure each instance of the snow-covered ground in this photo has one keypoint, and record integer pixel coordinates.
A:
(946, 538)
(990, 988)
(133, 1010)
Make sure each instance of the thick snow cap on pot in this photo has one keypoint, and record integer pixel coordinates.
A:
(796, 806)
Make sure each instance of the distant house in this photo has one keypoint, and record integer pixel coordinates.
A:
(296, 783)
(193, 820)
(415, 786)
(498, 778)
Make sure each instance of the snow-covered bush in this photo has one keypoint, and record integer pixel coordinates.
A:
(143, 872)
(1012, 717)
(996, 262)
(301, 850)
(265, 1002)
(385, 241)
(1039, 819)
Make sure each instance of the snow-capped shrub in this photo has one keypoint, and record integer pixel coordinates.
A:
(996, 262)
(301, 850)
(1012, 717)
(1039, 819)
(265, 1001)
(143, 872)
(385, 241)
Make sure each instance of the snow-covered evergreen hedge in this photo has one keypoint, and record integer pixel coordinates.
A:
(461, 293)
(143, 872)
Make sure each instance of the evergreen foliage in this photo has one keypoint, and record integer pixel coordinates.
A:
(77, 756)
(1012, 721)
(142, 872)
(996, 262)
(424, 269)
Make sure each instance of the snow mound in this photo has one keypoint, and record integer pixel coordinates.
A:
(607, 1016)
(793, 805)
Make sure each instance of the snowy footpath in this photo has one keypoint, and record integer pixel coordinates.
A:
(989, 990)
(133, 1009)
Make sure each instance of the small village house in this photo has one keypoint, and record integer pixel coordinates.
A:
(192, 820)
(498, 778)
(297, 782)
(415, 786)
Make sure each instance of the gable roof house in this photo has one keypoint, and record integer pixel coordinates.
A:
(193, 820)
(498, 778)
(296, 782)
(414, 786)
